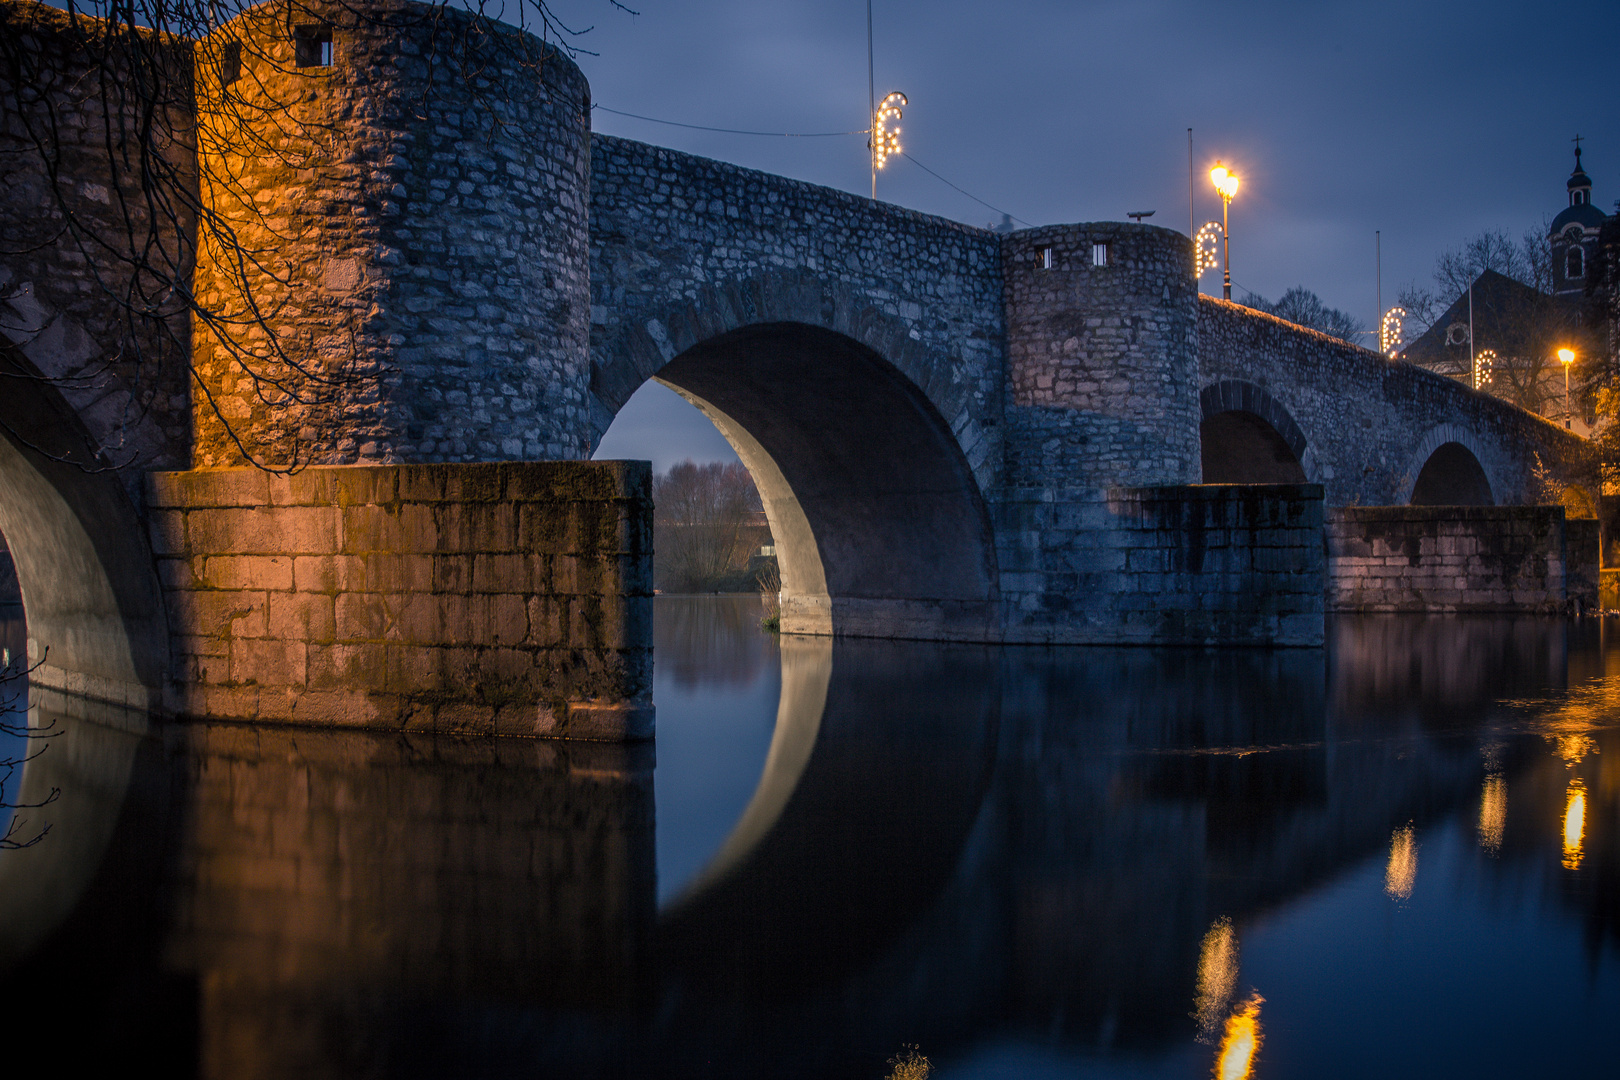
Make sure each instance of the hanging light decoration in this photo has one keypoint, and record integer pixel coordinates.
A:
(1484, 360)
(886, 140)
(1207, 249)
(1389, 331)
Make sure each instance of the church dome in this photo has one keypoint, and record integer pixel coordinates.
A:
(1585, 214)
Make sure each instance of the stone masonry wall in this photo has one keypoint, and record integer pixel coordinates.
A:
(1459, 559)
(1369, 423)
(684, 249)
(90, 253)
(423, 204)
(1102, 360)
(509, 598)
(1193, 565)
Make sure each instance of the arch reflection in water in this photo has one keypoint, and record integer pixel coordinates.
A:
(967, 849)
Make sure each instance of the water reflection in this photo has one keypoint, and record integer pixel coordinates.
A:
(1217, 977)
(988, 854)
(1400, 873)
(1574, 824)
(1492, 814)
(1240, 1042)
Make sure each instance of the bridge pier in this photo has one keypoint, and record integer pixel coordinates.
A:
(511, 598)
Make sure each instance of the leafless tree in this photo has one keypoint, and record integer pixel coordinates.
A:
(1527, 261)
(1300, 305)
(704, 526)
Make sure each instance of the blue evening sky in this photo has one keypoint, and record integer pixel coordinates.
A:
(1428, 121)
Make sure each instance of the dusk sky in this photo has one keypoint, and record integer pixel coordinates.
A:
(1430, 122)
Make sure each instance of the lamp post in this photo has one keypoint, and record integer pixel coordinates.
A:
(1568, 357)
(1226, 183)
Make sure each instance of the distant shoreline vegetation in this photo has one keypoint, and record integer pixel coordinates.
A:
(709, 530)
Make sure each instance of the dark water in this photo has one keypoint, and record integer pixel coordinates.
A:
(1399, 856)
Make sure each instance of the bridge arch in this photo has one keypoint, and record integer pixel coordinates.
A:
(1246, 436)
(96, 625)
(857, 439)
(1448, 467)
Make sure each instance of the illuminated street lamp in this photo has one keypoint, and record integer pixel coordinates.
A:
(1568, 357)
(1226, 182)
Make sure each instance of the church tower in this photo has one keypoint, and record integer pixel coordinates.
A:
(1574, 233)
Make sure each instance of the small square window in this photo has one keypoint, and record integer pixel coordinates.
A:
(312, 46)
(1100, 253)
(1044, 258)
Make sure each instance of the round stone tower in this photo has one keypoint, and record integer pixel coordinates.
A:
(395, 239)
(1102, 356)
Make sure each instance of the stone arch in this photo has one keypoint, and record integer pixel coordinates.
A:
(1442, 435)
(636, 353)
(880, 526)
(1240, 422)
(96, 626)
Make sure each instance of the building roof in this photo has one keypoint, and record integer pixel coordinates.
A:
(1504, 311)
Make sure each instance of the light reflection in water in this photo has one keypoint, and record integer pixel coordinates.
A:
(1217, 977)
(1401, 872)
(1492, 814)
(1241, 1041)
(1574, 823)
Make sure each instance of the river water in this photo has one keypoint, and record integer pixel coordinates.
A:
(1395, 856)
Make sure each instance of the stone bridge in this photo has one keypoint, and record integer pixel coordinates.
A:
(1048, 436)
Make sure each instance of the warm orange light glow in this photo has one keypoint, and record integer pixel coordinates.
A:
(1492, 814)
(1217, 977)
(1566, 355)
(1241, 1041)
(1225, 181)
(1573, 746)
(1574, 823)
(1401, 872)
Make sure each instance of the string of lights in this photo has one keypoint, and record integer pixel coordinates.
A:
(1206, 255)
(1389, 331)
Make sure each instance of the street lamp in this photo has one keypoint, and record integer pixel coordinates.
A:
(1226, 183)
(1568, 357)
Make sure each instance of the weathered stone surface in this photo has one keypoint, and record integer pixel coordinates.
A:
(1363, 426)
(369, 608)
(425, 280)
(1460, 558)
(1202, 564)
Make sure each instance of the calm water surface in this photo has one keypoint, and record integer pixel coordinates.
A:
(1398, 856)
